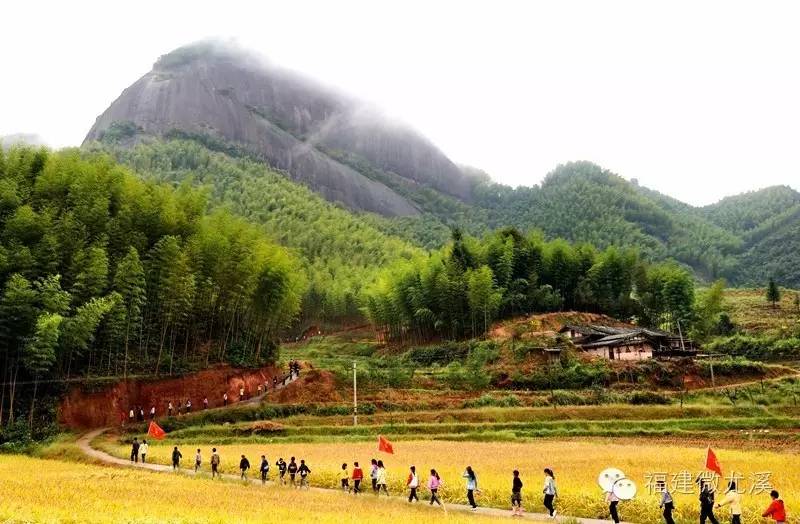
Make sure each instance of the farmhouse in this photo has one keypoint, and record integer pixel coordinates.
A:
(626, 343)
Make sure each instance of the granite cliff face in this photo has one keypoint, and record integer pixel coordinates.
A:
(314, 134)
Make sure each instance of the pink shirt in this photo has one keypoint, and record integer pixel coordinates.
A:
(434, 483)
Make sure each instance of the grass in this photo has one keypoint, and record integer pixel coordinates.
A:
(37, 490)
(576, 463)
(752, 314)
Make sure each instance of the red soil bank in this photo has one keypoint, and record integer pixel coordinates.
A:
(106, 407)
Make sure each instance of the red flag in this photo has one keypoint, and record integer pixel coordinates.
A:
(712, 463)
(384, 445)
(155, 431)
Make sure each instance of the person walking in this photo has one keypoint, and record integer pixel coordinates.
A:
(281, 464)
(413, 483)
(304, 472)
(264, 469)
(274, 382)
(612, 501)
(188, 405)
(382, 478)
(434, 483)
(241, 393)
(733, 499)
(358, 476)
(373, 475)
(516, 494)
(198, 460)
(215, 464)
(776, 509)
(135, 450)
(141, 414)
(667, 504)
(472, 486)
(131, 416)
(707, 503)
(205, 402)
(176, 458)
(244, 465)
(152, 412)
(143, 449)
(225, 399)
(345, 478)
(550, 492)
(169, 408)
(292, 469)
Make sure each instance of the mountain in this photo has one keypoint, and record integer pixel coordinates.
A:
(225, 95)
(270, 129)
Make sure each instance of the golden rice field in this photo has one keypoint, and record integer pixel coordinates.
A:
(38, 490)
(576, 464)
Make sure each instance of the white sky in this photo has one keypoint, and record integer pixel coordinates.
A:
(695, 99)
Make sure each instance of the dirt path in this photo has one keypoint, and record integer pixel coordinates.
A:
(85, 445)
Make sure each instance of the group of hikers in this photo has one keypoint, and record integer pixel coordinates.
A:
(732, 499)
(137, 413)
(296, 474)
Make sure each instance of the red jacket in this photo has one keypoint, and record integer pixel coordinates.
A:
(358, 474)
(776, 511)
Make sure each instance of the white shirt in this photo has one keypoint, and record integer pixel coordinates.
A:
(414, 481)
(143, 448)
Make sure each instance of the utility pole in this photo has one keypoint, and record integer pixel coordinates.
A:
(355, 396)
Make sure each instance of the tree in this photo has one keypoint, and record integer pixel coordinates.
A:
(129, 282)
(484, 298)
(773, 293)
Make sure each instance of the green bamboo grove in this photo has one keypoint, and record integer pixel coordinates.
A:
(102, 273)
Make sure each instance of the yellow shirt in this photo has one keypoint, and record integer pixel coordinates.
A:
(735, 501)
(345, 474)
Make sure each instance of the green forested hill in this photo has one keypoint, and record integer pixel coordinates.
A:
(744, 239)
(341, 250)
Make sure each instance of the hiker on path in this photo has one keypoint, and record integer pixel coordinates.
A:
(176, 458)
(733, 499)
(472, 486)
(259, 390)
(304, 472)
(135, 450)
(667, 504)
(225, 399)
(613, 502)
(274, 382)
(373, 475)
(382, 478)
(152, 412)
(516, 495)
(141, 414)
(198, 460)
(244, 465)
(169, 409)
(413, 483)
(131, 416)
(345, 478)
(281, 470)
(776, 508)
(264, 469)
(358, 475)
(241, 393)
(205, 402)
(707, 503)
(215, 464)
(143, 450)
(550, 492)
(292, 469)
(433, 485)
(188, 405)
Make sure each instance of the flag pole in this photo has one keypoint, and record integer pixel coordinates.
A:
(355, 396)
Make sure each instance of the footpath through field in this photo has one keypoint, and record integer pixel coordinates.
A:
(85, 444)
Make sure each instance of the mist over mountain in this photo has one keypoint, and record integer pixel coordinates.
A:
(316, 135)
(234, 102)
